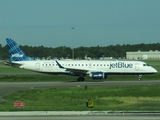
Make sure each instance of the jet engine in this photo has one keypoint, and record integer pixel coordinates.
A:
(97, 75)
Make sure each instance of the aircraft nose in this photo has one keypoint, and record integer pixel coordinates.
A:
(154, 70)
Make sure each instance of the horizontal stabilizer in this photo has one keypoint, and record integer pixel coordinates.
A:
(8, 63)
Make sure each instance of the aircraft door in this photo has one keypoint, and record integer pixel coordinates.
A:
(90, 65)
(37, 66)
(137, 66)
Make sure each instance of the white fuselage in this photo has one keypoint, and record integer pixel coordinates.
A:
(109, 67)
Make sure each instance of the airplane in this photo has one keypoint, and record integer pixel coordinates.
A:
(96, 69)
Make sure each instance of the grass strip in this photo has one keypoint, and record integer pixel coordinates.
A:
(141, 98)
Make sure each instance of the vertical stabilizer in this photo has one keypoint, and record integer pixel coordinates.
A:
(16, 54)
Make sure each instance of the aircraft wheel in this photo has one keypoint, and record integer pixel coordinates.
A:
(80, 79)
(139, 77)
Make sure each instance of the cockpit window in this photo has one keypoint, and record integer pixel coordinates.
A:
(146, 65)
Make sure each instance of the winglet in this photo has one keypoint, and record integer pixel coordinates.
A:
(59, 65)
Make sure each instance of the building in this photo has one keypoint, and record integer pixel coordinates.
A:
(143, 55)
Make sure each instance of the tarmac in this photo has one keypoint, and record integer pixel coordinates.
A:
(79, 113)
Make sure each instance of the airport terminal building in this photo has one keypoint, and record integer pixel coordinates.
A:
(143, 55)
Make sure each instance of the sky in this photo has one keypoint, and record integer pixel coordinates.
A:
(75, 23)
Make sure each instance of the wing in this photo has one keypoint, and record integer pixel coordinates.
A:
(74, 70)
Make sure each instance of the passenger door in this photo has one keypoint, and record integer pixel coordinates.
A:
(137, 66)
(37, 66)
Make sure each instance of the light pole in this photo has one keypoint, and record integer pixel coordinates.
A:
(73, 46)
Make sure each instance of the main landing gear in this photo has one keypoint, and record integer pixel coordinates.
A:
(80, 78)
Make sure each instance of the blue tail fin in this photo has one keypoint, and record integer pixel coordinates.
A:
(16, 54)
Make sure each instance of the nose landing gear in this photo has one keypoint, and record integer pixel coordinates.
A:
(139, 77)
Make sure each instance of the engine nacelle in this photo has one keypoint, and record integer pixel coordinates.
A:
(97, 75)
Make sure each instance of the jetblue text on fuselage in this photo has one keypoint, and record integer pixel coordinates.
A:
(120, 65)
